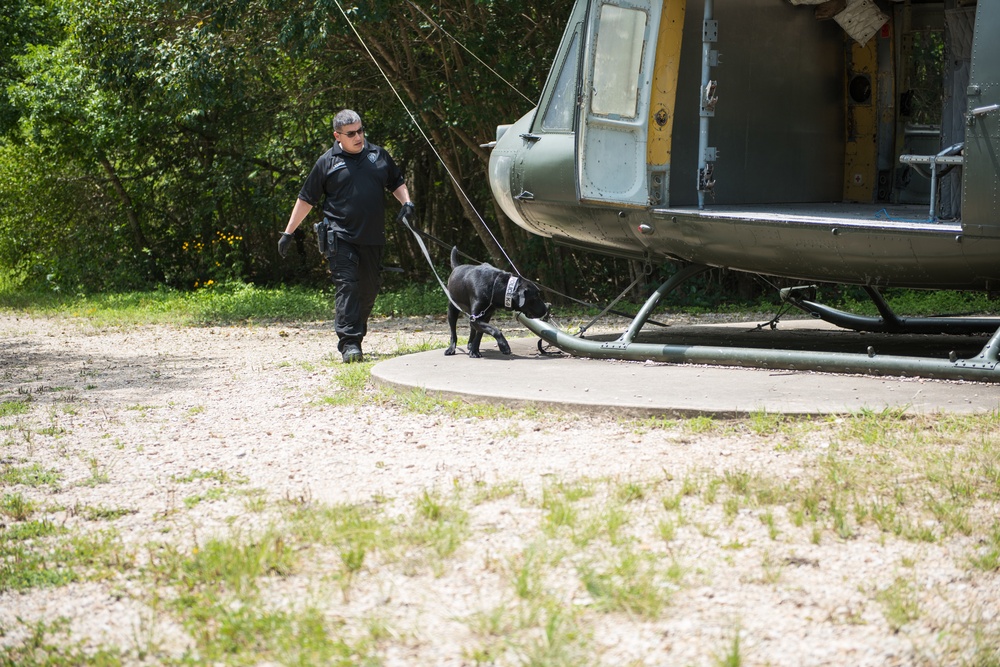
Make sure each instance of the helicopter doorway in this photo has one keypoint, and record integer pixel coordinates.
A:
(778, 125)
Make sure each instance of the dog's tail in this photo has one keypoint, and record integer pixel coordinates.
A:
(454, 257)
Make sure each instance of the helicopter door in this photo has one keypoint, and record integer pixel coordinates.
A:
(617, 73)
(980, 207)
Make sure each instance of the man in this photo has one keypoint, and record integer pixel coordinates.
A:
(349, 181)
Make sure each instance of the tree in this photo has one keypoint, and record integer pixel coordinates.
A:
(182, 131)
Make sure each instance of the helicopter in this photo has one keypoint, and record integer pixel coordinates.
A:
(790, 138)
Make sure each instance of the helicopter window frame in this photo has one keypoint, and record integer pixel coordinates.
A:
(560, 110)
(615, 84)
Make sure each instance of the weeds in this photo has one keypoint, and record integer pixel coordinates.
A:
(32, 475)
(555, 560)
(899, 603)
(14, 408)
(629, 581)
(17, 507)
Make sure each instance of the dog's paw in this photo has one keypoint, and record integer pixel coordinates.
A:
(450, 351)
(504, 348)
(474, 354)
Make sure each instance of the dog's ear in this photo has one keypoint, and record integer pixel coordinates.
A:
(523, 293)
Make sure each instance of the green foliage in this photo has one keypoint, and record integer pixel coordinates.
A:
(46, 646)
(211, 304)
(164, 143)
(412, 300)
(33, 475)
(8, 408)
(16, 506)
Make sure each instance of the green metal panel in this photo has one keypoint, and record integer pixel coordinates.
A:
(981, 196)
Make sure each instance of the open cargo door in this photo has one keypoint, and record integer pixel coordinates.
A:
(617, 72)
(981, 198)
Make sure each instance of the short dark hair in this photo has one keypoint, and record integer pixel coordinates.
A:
(345, 117)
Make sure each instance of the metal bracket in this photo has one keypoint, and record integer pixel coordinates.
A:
(709, 99)
(706, 182)
(710, 31)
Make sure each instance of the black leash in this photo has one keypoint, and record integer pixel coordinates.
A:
(427, 255)
(420, 235)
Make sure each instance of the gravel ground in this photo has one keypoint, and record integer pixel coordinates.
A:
(127, 415)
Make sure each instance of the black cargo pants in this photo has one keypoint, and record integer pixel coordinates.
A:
(356, 271)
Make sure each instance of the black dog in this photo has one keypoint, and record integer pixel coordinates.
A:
(479, 291)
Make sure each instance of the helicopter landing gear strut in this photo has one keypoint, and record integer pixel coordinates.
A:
(887, 321)
(984, 367)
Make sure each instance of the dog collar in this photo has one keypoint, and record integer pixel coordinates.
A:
(508, 297)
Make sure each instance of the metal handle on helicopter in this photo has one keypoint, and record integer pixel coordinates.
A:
(981, 111)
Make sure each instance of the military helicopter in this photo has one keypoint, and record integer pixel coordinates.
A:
(775, 137)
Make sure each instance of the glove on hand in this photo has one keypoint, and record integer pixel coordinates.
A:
(283, 243)
(407, 211)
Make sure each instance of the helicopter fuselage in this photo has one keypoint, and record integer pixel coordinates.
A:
(751, 135)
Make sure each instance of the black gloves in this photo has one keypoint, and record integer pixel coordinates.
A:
(283, 243)
(407, 211)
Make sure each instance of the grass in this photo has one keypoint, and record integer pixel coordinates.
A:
(236, 301)
(14, 408)
(549, 564)
(217, 596)
(899, 603)
(630, 581)
(598, 549)
(219, 304)
(15, 506)
(41, 554)
(33, 475)
(50, 644)
(732, 656)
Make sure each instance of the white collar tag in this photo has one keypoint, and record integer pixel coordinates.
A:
(508, 297)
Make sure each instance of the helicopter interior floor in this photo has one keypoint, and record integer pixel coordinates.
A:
(823, 213)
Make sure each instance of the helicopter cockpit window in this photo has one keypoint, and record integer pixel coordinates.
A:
(617, 59)
(559, 114)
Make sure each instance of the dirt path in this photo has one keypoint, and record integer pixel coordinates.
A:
(143, 419)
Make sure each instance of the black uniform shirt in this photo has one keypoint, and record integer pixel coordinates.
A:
(351, 188)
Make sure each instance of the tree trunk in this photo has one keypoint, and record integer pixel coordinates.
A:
(142, 246)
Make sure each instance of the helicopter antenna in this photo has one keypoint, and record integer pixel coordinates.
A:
(478, 59)
(416, 124)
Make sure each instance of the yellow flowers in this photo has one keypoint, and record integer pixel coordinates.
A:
(220, 237)
(231, 239)
(217, 250)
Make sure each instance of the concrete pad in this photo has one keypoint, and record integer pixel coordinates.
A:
(527, 377)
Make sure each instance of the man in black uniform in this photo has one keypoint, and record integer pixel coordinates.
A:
(350, 181)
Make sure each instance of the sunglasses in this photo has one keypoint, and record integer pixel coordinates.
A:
(353, 133)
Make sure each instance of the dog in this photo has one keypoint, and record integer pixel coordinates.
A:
(478, 290)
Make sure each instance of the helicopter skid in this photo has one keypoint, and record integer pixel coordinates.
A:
(802, 354)
(982, 367)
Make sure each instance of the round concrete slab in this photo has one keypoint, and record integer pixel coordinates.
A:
(562, 381)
